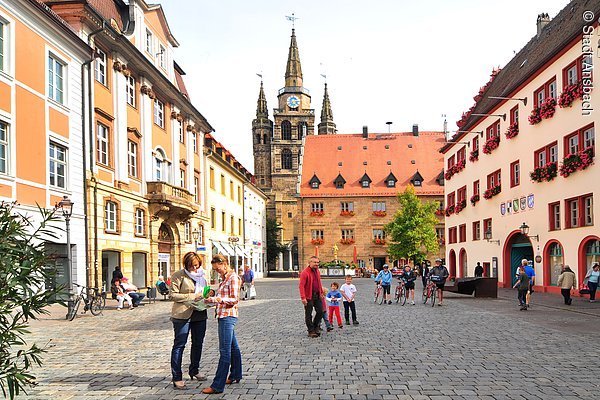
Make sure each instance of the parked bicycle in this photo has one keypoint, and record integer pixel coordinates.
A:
(378, 294)
(401, 293)
(430, 292)
(92, 298)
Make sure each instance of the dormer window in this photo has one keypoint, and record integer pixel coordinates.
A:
(417, 179)
(339, 181)
(440, 179)
(314, 182)
(391, 180)
(365, 181)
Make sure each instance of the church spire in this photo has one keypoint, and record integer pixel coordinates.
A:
(261, 105)
(326, 126)
(293, 71)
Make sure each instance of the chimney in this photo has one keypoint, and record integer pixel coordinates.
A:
(415, 130)
(543, 19)
(365, 132)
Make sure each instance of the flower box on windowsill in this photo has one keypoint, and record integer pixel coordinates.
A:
(491, 192)
(491, 144)
(455, 169)
(379, 213)
(346, 213)
(512, 131)
(380, 242)
(577, 162)
(317, 242)
(347, 241)
(450, 210)
(571, 92)
(474, 156)
(545, 173)
(460, 206)
(317, 213)
(474, 199)
(543, 111)
(440, 212)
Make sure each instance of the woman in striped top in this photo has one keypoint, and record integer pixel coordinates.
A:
(226, 311)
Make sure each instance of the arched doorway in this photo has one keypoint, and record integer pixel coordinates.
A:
(165, 244)
(588, 253)
(452, 263)
(553, 262)
(462, 261)
(516, 248)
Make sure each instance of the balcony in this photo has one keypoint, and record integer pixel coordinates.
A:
(171, 200)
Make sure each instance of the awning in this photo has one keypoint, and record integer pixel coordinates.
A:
(240, 251)
(223, 248)
(229, 250)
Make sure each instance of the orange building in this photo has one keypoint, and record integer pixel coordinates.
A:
(520, 179)
(41, 62)
(144, 143)
(348, 189)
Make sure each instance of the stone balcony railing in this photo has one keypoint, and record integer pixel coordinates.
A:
(170, 198)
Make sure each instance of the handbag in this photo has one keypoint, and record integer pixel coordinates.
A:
(252, 292)
(584, 289)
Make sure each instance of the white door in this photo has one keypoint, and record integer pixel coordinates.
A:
(163, 265)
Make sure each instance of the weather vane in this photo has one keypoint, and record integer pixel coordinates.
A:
(292, 18)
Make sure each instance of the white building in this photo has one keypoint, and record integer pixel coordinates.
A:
(255, 233)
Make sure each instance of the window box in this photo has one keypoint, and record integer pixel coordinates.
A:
(379, 213)
(440, 212)
(456, 168)
(474, 156)
(577, 162)
(347, 213)
(379, 242)
(460, 206)
(347, 241)
(491, 144)
(569, 94)
(450, 210)
(544, 111)
(512, 131)
(545, 173)
(317, 213)
(491, 192)
(474, 199)
(317, 242)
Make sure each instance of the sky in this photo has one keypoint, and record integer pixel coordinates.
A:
(407, 62)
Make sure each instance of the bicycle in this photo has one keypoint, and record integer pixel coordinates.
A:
(401, 292)
(93, 300)
(378, 294)
(430, 292)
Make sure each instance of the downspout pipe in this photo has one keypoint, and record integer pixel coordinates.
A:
(87, 64)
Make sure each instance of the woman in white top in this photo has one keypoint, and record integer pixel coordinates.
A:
(591, 280)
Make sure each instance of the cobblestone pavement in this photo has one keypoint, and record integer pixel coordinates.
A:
(467, 349)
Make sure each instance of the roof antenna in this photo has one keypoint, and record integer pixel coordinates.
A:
(389, 124)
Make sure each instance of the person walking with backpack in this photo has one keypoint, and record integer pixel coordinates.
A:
(566, 281)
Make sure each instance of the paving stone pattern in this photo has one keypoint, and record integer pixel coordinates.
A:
(467, 349)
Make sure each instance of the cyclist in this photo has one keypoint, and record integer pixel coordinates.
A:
(438, 275)
(409, 279)
(385, 277)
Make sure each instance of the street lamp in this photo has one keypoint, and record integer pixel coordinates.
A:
(232, 241)
(525, 231)
(195, 235)
(488, 237)
(66, 206)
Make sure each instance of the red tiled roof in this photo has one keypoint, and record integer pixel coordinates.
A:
(179, 79)
(322, 157)
(109, 10)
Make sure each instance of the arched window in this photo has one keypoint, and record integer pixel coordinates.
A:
(161, 167)
(286, 159)
(302, 130)
(264, 139)
(258, 139)
(555, 262)
(286, 130)
(592, 253)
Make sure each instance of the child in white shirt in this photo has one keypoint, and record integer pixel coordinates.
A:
(348, 293)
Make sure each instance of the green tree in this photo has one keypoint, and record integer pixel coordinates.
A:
(274, 247)
(411, 234)
(23, 274)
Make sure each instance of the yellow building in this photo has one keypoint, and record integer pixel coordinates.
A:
(143, 141)
(41, 96)
(522, 175)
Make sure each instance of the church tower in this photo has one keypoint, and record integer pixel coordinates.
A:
(262, 132)
(326, 126)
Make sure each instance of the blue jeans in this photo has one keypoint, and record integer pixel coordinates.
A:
(181, 328)
(136, 297)
(230, 355)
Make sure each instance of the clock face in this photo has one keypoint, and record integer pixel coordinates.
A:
(293, 102)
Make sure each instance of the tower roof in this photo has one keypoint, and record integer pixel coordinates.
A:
(326, 126)
(261, 105)
(293, 70)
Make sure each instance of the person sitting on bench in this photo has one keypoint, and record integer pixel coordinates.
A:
(161, 285)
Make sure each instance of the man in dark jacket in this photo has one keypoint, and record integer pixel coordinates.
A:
(438, 275)
(310, 294)
(478, 270)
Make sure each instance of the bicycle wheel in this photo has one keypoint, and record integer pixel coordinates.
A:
(425, 294)
(73, 312)
(403, 295)
(97, 304)
(433, 296)
(379, 297)
(398, 293)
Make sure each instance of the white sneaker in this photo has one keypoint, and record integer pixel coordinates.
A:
(412, 302)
